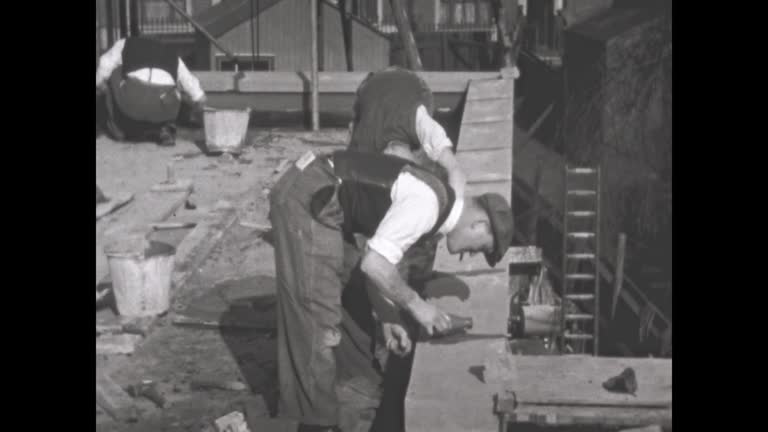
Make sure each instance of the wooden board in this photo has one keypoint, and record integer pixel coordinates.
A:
(575, 383)
(492, 89)
(604, 416)
(114, 203)
(329, 82)
(487, 165)
(486, 109)
(484, 136)
(577, 379)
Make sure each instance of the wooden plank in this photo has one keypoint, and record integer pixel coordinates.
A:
(198, 244)
(114, 203)
(329, 82)
(603, 416)
(113, 399)
(263, 104)
(113, 344)
(485, 136)
(491, 89)
(482, 110)
(487, 165)
(579, 378)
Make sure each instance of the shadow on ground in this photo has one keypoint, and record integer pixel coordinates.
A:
(248, 325)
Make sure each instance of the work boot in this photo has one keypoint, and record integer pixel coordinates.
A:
(167, 137)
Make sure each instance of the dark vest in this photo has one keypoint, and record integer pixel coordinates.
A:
(385, 110)
(140, 53)
(365, 187)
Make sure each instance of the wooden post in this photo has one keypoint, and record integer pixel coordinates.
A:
(110, 18)
(313, 55)
(618, 278)
(123, 16)
(346, 30)
(133, 16)
(406, 35)
(536, 206)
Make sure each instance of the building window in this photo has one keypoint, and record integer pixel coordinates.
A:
(245, 62)
(464, 12)
(157, 16)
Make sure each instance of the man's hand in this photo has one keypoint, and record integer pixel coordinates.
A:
(430, 317)
(199, 104)
(101, 88)
(396, 339)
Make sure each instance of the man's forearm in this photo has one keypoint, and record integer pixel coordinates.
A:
(385, 309)
(387, 279)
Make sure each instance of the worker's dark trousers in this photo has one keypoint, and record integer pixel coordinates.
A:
(311, 270)
(136, 110)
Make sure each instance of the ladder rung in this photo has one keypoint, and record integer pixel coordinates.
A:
(581, 235)
(578, 336)
(579, 317)
(580, 296)
(582, 192)
(581, 213)
(581, 170)
(581, 256)
(580, 276)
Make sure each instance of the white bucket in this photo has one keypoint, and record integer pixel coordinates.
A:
(141, 276)
(225, 129)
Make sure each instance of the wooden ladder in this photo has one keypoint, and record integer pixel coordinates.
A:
(581, 251)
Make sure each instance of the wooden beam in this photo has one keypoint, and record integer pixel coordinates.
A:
(406, 35)
(329, 82)
(314, 73)
(346, 31)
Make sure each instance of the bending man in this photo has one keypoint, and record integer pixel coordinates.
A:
(139, 77)
(317, 206)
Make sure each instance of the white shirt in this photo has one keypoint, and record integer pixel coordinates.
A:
(413, 213)
(113, 58)
(431, 135)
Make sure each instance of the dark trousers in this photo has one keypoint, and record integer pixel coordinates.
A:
(135, 110)
(318, 383)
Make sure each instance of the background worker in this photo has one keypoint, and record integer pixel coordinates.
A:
(140, 79)
(318, 203)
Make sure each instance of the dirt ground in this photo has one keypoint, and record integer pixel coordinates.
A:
(240, 267)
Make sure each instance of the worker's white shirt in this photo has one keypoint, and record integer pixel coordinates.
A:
(431, 135)
(113, 58)
(413, 213)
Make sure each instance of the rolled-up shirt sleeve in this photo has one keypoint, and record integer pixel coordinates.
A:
(413, 213)
(189, 83)
(431, 135)
(109, 61)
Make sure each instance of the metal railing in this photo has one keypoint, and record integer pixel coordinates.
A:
(391, 27)
(165, 26)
